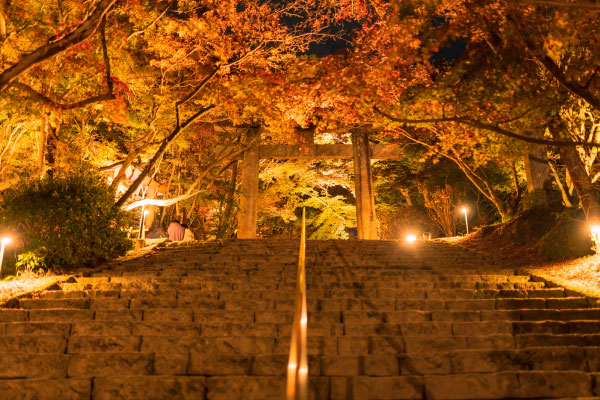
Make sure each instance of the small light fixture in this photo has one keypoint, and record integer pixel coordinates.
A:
(466, 211)
(595, 231)
(4, 242)
(411, 238)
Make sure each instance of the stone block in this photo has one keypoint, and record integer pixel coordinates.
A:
(171, 363)
(472, 386)
(223, 316)
(352, 345)
(33, 304)
(539, 340)
(541, 327)
(427, 328)
(273, 364)
(379, 304)
(520, 304)
(13, 315)
(387, 388)
(339, 366)
(61, 315)
(169, 315)
(456, 316)
(476, 304)
(150, 388)
(109, 304)
(33, 344)
(340, 388)
(567, 302)
(18, 365)
(482, 328)
(379, 365)
(202, 363)
(166, 329)
(35, 328)
(102, 328)
(408, 316)
(110, 364)
(273, 317)
(246, 387)
(45, 389)
(118, 315)
(545, 384)
(109, 344)
(151, 302)
(425, 364)
(383, 345)
(231, 329)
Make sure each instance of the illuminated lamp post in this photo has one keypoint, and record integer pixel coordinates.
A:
(595, 231)
(4, 242)
(465, 211)
(141, 240)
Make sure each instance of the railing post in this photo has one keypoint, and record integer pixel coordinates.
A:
(297, 373)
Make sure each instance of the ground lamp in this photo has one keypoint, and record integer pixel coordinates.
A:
(4, 242)
(465, 211)
(595, 230)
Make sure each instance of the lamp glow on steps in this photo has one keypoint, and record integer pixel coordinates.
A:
(4, 242)
(465, 211)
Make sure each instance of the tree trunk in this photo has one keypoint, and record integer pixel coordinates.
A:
(42, 139)
(227, 214)
(581, 182)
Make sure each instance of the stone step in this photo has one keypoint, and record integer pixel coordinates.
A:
(314, 304)
(530, 384)
(82, 290)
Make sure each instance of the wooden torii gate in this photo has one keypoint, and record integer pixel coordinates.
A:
(360, 151)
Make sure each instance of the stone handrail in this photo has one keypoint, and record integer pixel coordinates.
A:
(297, 373)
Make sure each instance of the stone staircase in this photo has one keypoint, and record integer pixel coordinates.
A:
(387, 320)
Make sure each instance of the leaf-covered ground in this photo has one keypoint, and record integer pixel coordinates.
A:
(582, 274)
(9, 289)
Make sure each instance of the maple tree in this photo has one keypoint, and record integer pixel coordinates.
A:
(151, 85)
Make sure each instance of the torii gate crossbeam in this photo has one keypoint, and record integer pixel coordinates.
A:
(359, 151)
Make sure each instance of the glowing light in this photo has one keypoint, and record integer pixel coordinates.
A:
(595, 231)
(303, 370)
(411, 238)
(303, 320)
(291, 366)
(4, 241)
(464, 210)
(146, 212)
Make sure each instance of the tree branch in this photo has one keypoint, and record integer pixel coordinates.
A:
(159, 153)
(193, 93)
(550, 3)
(42, 53)
(488, 127)
(82, 103)
(149, 25)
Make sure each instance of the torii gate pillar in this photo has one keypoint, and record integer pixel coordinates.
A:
(363, 186)
(248, 212)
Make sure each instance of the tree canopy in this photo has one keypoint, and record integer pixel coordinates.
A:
(163, 96)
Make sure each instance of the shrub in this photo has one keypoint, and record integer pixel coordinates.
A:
(70, 219)
(31, 262)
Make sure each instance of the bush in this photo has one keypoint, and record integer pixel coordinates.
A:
(71, 220)
(569, 238)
